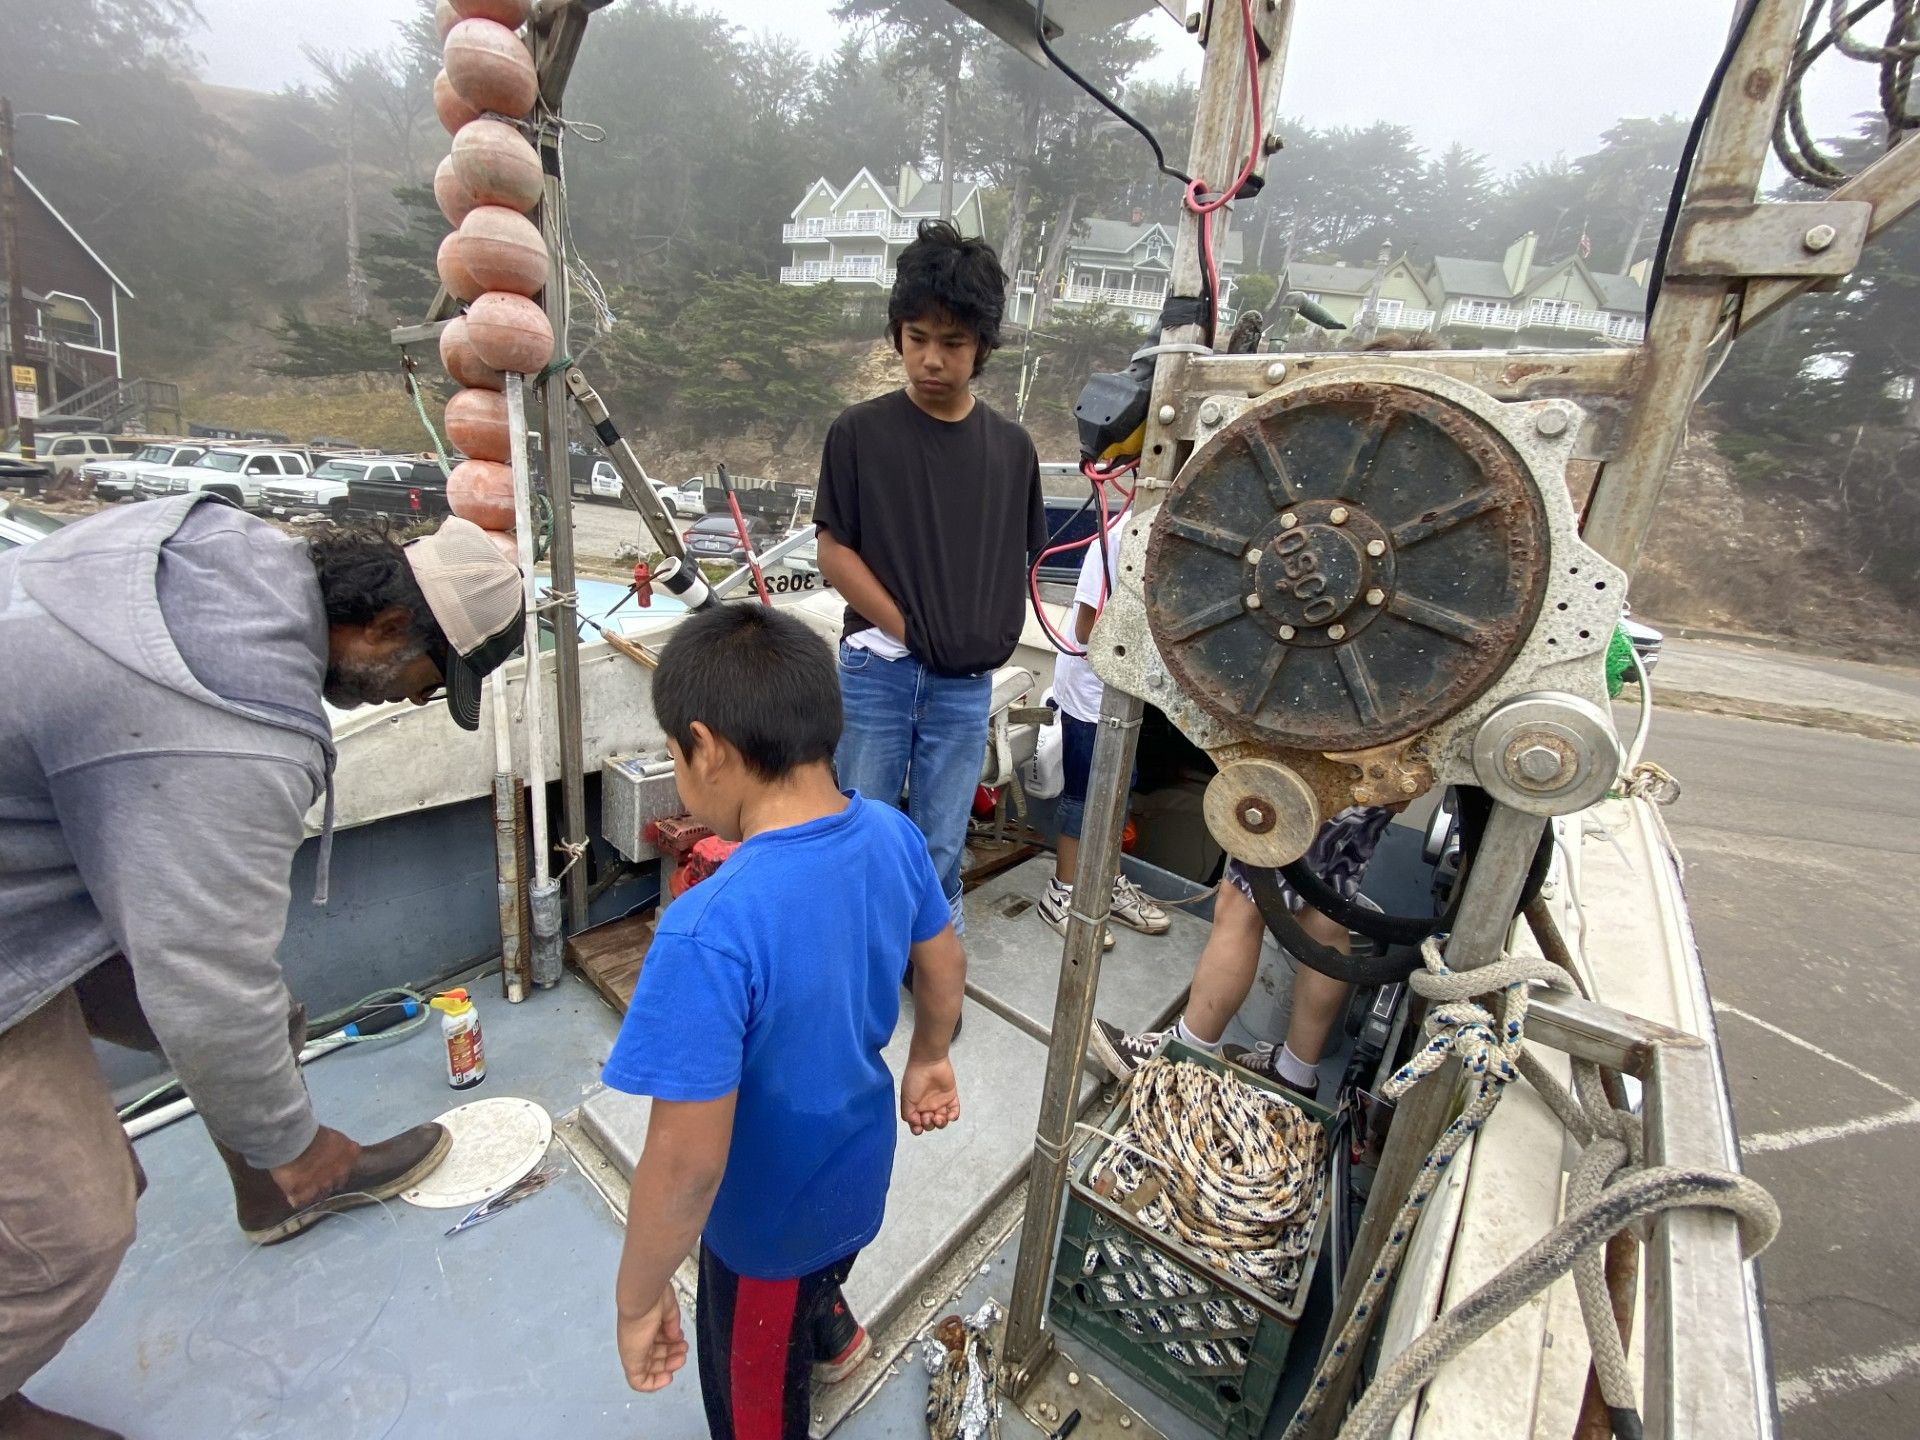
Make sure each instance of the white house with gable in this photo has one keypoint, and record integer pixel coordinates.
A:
(1124, 265)
(855, 234)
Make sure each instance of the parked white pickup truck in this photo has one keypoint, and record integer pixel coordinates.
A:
(119, 479)
(234, 474)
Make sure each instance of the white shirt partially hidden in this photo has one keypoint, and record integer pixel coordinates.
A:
(878, 642)
(1076, 689)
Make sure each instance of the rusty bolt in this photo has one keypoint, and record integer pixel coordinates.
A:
(1539, 763)
(1073, 1377)
(1273, 144)
(1409, 786)
(1210, 413)
(1336, 632)
(1551, 422)
(1376, 548)
(1338, 515)
(1254, 816)
(1253, 555)
(1376, 597)
(1818, 238)
(1287, 632)
(1167, 414)
(1253, 602)
(1289, 520)
(1276, 372)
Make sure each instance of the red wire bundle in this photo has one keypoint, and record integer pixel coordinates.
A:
(1207, 209)
(1100, 479)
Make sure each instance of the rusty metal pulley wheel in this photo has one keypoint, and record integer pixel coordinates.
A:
(1346, 565)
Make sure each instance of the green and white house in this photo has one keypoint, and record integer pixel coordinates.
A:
(1490, 304)
(853, 235)
(1123, 265)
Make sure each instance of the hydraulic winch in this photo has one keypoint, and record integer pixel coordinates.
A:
(1362, 585)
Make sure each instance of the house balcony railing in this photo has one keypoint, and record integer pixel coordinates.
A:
(867, 274)
(1127, 299)
(885, 227)
(1627, 329)
(1404, 319)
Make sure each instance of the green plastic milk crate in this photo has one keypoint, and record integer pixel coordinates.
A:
(1228, 1394)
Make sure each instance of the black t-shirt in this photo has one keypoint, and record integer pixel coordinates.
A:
(948, 516)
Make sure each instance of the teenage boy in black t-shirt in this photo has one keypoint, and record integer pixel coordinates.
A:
(929, 508)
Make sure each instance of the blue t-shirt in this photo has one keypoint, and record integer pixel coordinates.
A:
(779, 977)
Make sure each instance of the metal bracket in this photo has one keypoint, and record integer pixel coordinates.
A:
(633, 475)
(1816, 237)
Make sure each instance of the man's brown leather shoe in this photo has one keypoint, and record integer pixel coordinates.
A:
(383, 1170)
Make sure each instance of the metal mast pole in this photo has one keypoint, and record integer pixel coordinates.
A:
(1223, 130)
(16, 300)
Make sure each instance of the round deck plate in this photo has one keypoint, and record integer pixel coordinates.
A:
(495, 1142)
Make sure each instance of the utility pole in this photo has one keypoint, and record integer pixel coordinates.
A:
(16, 300)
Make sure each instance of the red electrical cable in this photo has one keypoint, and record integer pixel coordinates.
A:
(1099, 478)
(1206, 209)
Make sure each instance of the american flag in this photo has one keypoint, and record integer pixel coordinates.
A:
(1586, 245)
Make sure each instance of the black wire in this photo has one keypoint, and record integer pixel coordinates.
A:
(1683, 176)
(1112, 106)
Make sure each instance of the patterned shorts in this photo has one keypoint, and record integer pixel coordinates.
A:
(1339, 855)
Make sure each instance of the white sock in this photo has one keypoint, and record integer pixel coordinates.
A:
(1058, 884)
(1294, 1070)
(1187, 1037)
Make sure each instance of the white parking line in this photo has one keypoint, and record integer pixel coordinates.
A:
(1792, 1139)
(1812, 1048)
(1858, 1372)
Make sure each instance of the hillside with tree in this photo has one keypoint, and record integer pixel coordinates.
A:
(273, 239)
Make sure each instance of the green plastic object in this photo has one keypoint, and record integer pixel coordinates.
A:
(1229, 1396)
(1619, 660)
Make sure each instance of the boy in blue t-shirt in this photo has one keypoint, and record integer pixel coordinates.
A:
(757, 1027)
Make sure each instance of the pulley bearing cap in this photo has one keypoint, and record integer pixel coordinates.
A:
(1261, 813)
(1547, 754)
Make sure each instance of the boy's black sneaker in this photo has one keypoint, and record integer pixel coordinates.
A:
(836, 1334)
(1264, 1060)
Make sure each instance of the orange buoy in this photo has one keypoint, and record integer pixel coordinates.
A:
(445, 17)
(502, 250)
(482, 491)
(447, 104)
(451, 192)
(490, 68)
(497, 165)
(507, 543)
(477, 424)
(509, 333)
(462, 362)
(451, 263)
(510, 13)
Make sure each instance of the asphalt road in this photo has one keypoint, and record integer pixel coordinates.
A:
(1803, 864)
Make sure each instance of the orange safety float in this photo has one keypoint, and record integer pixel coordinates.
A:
(510, 13)
(450, 192)
(509, 333)
(507, 542)
(490, 68)
(463, 362)
(447, 104)
(451, 263)
(482, 491)
(477, 424)
(497, 165)
(503, 250)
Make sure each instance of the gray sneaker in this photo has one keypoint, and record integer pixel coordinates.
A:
(1056, 900)
(1136, 910)
(1121, 1053)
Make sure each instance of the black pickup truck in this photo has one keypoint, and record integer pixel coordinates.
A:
(419, 494)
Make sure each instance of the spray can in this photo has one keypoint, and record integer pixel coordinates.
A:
(460, 1029)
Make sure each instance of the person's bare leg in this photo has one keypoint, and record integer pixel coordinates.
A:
(1318, 1000)
(1066, 858)
(1223, 976)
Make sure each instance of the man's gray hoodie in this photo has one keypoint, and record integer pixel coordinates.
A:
(161, 737)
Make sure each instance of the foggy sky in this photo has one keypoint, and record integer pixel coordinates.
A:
(1516, 79)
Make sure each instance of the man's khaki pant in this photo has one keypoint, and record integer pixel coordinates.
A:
(68, 1181)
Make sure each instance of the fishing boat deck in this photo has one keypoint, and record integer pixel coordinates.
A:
(377, 1324)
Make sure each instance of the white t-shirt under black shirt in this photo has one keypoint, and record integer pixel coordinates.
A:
(1076, 689)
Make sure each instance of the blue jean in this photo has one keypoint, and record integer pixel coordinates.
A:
(910, 729)
(1077, 739)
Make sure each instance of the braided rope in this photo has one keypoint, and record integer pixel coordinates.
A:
(1230, 1171)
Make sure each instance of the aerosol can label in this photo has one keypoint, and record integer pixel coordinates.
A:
(466, 1055)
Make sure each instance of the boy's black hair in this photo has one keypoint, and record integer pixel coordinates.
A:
(762, 681)
(942, 273)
